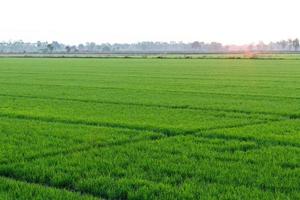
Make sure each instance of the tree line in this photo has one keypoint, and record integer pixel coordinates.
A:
(145, 47)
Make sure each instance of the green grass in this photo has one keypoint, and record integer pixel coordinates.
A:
(149, 128)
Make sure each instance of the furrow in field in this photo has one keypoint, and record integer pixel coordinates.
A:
(180, 107)
(151, 128)
(203, 178)
(128, 88)
(171, 91)
(79, 194)
(88, 194)
(80, 148)
(218, 76)
(206, 135)
(260, 141)
(136, 127)
(86, 123)
(198, 133)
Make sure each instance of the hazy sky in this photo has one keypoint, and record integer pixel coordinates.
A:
(79, 21)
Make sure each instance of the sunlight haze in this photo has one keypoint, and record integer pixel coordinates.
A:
(116, 21)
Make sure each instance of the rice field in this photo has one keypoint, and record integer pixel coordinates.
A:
(149, 128)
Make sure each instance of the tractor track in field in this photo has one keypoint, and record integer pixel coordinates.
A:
(214, 129)
(184, 77)
(198, 133)
(80, 148)
(179, 107)
(204, 179)
(49, 186)
(261, 96)
(147, 89)
(166, 131)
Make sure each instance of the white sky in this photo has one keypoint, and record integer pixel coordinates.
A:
(79, 21)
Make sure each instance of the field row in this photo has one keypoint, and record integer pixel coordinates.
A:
(179, 165)
(149, 129)
(256, 77)
(29, 133)
(175, 99)
(170, 121)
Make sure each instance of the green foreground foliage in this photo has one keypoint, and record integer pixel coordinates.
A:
(149, 129)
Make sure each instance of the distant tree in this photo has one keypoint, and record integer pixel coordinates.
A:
(91, 46)
(196, 45)
(216, 46)
(296, 44)
(74, 49)
(57, 46)
(283, 44)
(50, 48)
(261, 46)
(81, 47)
(290, 44)
(68, 49)
(106, 48)
(39, 44)
(148, 46)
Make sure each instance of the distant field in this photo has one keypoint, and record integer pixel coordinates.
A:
(149, 128)
(249, 55)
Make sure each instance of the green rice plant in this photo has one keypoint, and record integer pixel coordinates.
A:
(149, 128)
